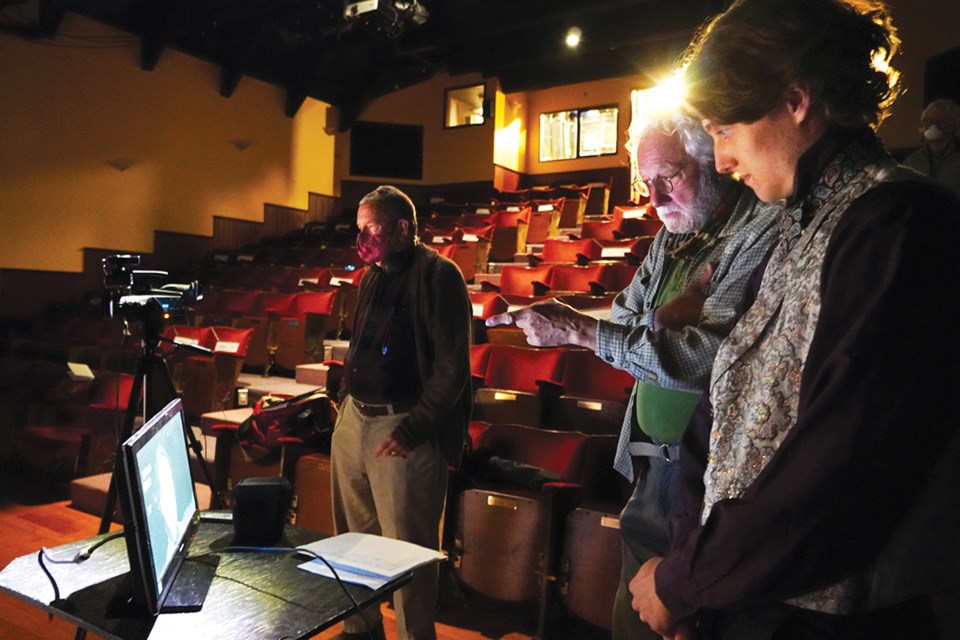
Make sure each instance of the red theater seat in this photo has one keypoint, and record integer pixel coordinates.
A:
(511, 383)
(506, 537)
(592, 395)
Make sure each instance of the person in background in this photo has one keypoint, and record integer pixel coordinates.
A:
(405, 401)
(815, 519)
(939, 157)
(714, 235)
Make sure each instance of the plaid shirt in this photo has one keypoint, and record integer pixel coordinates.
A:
(683, 359)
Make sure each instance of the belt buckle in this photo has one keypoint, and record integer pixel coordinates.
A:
(374, 410)
(665, 452)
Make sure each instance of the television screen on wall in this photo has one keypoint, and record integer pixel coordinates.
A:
(383, 150)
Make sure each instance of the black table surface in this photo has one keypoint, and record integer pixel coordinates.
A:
(254, 595)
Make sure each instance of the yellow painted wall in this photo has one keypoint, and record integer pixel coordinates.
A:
(577, 96)
(70, 108)
(460, 154)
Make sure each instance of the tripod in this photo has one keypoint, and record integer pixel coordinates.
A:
(153, 379)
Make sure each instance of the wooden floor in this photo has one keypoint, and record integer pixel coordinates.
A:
(33, 515)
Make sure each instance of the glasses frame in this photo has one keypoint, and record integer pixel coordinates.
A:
(663, 184)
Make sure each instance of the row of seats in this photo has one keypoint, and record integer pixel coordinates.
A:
(95, 341)
(556, 388)
(283, 278)
(519, 283)
(534, 517)
(57, 420)
(288, 328)
(579, 200)
(205, 378)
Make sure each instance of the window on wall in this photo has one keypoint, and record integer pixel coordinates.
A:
(463, 106)
(578, 133)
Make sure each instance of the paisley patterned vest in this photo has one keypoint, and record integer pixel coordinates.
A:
(755, 386)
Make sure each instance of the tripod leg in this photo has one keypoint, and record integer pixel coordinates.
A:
(160, 390)
(126, 430)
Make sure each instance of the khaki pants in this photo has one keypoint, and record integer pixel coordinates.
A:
(400, 498)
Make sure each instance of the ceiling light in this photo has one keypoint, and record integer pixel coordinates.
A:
(573, 37)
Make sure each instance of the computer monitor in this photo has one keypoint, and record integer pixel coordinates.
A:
(160, 510)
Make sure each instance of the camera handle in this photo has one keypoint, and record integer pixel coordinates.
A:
(152, 378)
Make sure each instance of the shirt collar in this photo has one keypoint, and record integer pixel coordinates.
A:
(811, 164)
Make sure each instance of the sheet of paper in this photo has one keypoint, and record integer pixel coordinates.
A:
(362, 555)
(317, 567)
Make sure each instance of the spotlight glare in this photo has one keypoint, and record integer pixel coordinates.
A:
(670, 93)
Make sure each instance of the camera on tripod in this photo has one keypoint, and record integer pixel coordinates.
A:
(137, 294)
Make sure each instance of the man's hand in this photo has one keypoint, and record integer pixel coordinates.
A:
(551, 324)
(684, 310)
(651, 610)
(390, 447)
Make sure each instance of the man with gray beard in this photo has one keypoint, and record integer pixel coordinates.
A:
(714, 235)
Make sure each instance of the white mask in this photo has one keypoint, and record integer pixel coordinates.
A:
(932, 133)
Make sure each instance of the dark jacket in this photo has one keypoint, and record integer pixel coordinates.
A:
(438, 294)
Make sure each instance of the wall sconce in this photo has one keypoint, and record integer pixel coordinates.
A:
(241, 143)
(121, 164)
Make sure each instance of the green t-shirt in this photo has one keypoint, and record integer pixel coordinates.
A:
(662, 413)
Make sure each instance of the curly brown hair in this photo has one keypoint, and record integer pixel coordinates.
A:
(742, 61)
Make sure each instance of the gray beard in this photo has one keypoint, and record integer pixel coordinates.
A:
(709, 192)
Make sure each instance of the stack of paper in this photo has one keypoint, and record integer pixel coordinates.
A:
(362, 558)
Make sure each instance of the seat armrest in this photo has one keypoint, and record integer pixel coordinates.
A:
(597, 289)
(224, 428)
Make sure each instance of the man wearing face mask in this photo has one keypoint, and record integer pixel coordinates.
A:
(939, 157)
(405, 400)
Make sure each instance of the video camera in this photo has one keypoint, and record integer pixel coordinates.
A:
(136, 294)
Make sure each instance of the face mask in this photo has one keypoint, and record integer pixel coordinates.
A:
(932, 133)
(372, 249)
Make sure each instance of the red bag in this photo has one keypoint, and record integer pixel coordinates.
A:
(277, 420)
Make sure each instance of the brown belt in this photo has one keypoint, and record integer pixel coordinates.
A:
(375, 410)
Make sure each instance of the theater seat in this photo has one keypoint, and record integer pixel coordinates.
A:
(510, 388)
(591, 397)
(508, 523)
(209, 381)
(588, 571)
(567, 251)
(77, 434)
(521, 285)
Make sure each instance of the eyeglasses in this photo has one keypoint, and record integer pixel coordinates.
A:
(663, 184)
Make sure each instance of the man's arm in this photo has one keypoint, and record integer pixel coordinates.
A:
(449, 323)
(550, 324)
(678, 355)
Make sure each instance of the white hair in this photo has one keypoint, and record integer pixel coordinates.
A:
(696, 142)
